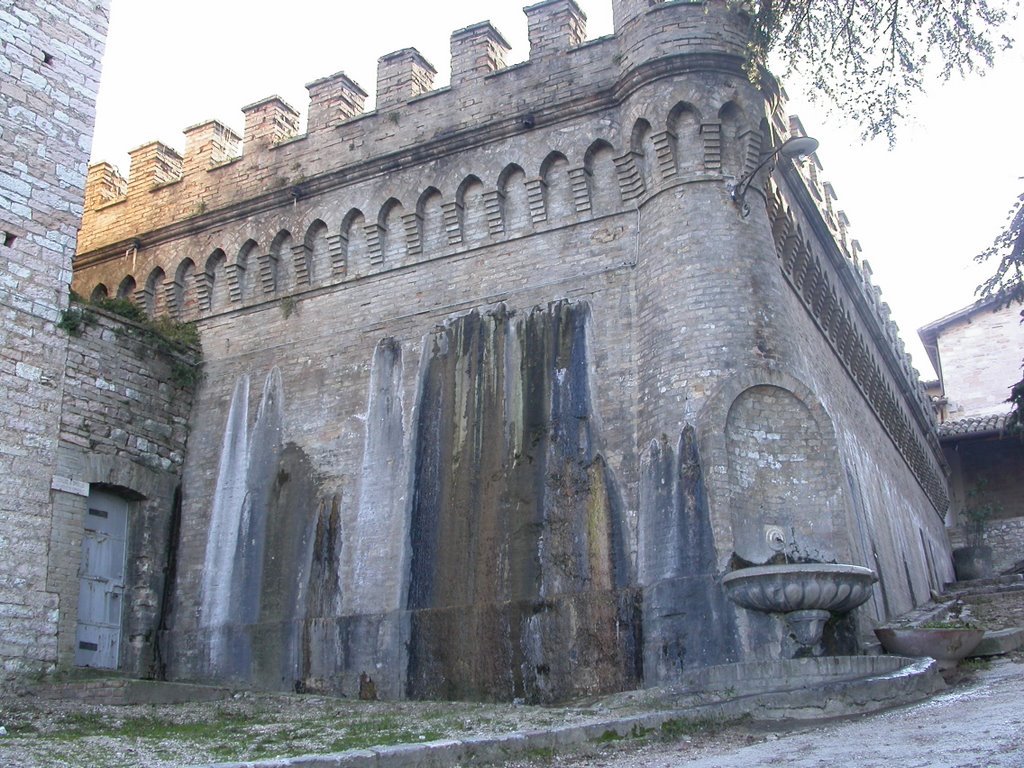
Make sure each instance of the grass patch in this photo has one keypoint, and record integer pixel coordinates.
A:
(229, 735)
(150, 727)
(977, 664)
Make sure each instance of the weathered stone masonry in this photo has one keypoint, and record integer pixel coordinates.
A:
(49, 72)
(123, 428)
(540, 265)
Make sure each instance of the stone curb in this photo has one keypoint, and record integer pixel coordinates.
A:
(914, 682)
(1000, 641)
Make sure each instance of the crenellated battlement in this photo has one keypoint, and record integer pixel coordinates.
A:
(272, 165)
(563, 76)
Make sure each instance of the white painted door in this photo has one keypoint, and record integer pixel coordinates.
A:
(101, 587)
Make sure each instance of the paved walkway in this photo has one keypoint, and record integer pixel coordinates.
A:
(979, 725)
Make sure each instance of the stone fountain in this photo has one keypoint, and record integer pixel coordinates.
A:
(806, 593)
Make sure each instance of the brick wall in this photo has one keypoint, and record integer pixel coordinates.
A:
(50, 59)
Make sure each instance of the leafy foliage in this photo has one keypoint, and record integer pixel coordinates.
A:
(869, 58)
(1008, 281)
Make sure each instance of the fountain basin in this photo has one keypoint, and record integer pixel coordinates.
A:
(807, 593)
(800, 587)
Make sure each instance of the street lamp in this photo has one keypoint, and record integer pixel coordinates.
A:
(794, 148)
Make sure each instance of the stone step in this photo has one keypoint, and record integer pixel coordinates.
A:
(995, 584)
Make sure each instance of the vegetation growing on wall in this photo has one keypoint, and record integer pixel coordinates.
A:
(178, 341)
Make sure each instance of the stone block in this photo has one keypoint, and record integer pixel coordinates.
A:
(476, 51)
(269, 121)
(1000, 641)
(554, 26)
(333, 100)
(401, 76)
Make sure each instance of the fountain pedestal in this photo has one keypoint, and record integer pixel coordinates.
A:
(807, 594)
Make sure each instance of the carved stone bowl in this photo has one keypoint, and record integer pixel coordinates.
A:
(800, 587)
(807, 593)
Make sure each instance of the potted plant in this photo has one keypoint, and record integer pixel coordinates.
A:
(974, 561)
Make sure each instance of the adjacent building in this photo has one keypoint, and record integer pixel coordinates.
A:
(977, 353)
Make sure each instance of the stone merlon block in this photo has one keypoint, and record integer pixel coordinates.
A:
(624, 11)
(401, 76)
(476, 51)
(269, 121)
(103, 184)
(209, 144)
(151, 165)
(333, 100)
(555, 25)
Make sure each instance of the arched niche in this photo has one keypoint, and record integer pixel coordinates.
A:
(473, 221)
(735, 135)
(218, 294)
(392, 233)
(154, 299)
(126, 288)
(783, 473)
(602, 180)
(558, 200)
(772, 461)
(687, 147)
(429, 207)
(186, 303)
(515, 203)
(247, 270)
(355, 259)
(315, 254)
(644, 154)
(277, 277)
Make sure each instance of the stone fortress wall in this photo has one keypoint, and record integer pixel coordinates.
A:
(726, 375)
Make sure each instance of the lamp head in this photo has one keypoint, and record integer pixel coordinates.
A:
(798, 147)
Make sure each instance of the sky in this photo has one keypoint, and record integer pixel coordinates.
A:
(920, 211)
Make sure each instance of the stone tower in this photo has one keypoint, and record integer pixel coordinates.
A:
(501, 369)
(50, 58)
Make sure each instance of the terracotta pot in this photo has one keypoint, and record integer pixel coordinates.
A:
(946, 646)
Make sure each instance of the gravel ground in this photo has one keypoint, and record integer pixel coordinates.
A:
(979, 723)
(251, 726)
(247, 727)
